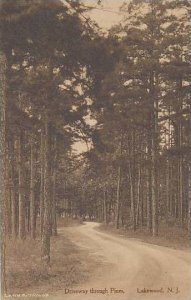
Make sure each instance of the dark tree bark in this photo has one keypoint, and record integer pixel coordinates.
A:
(132, 179)
(47, 193)
(180, 156)
(118, 200)
(13, 193)
(105, 218)
(154, 183)
(3, 137)
(41, 182)
(8, 193)
(54, 218)
(149, 184)
(154, 151)
(32, 191)
(138, 208)
(189, 177)
(22, 233)
(53, 229)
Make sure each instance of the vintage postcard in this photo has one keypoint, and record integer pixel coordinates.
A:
(95, 149)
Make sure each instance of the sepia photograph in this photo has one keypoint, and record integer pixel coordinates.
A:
(95, 149)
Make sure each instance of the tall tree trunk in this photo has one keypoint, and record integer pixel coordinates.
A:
(149, 182)
(167, 174)
(3, 138)
(8, 193)
(154, 203)
(7, 200)
(154, 152)
(180, 157)
(117, 214)
(132, 193)
(169, 170)
(189, 199)
(47, 194)
(14, 211)
(105, 205)
(131, 145)
(54, 219)
(155, 179)
(41, 181)
(118, 198)
(32, 192)
(142, 206)
(189, 177)
(22, 234)
(180, 189)
(138, 209)
(13, 192)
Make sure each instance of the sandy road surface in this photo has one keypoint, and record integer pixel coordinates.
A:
(132, 266)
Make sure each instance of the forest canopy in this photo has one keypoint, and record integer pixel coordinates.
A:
(124, 92)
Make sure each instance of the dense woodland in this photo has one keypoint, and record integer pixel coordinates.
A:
(125, 93)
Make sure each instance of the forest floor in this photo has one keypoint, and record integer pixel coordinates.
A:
(25, 274)
(169, 235)
(91, 262)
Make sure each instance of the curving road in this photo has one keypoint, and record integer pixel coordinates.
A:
(131, 269)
